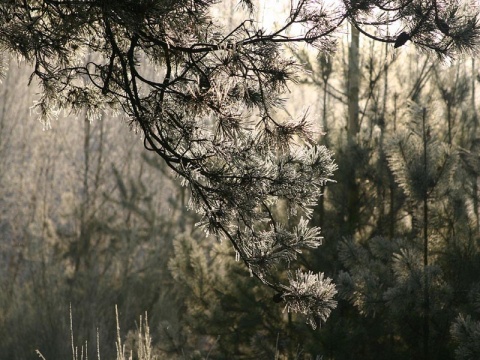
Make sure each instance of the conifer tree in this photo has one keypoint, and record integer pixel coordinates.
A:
(408, 279)
(451, 217)
(466, 332)
(196, 111)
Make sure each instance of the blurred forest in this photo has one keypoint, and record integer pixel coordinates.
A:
(90, 220)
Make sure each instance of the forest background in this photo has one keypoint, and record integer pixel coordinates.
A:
(84, 231)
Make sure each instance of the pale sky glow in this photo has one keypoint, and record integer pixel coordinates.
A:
(276, 12)
(273, 13)
(270, 13)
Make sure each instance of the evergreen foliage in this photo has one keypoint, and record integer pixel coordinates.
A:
(208, 101)
(406, 256)
(196, 111)
(467, 333)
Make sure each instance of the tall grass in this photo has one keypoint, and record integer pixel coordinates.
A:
(141, 350)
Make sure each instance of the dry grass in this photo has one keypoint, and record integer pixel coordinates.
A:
(143, 344)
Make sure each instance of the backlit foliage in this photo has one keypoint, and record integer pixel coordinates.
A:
(209, 102)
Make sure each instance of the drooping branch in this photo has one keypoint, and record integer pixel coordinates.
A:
(210, 107)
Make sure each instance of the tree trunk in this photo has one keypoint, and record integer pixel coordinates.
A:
(353, 84)
(352, 129)
(426, 319)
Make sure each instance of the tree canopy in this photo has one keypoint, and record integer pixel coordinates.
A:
(206, 100)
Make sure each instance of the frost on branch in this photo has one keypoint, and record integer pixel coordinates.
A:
(268, 247)
(310, 294)
(208, 100)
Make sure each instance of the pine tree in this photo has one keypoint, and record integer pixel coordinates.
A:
(196, 111)
(466, 332)
(408, 280)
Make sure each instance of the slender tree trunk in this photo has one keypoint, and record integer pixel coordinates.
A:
(390, 175)
(82, 250)
(383, 171)
(321, 201)
(426, 319)
(476, 184)
(324, 109)
(449, 122)
(353, 128)
(86, 154)
(353, 84)
(474, 105)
